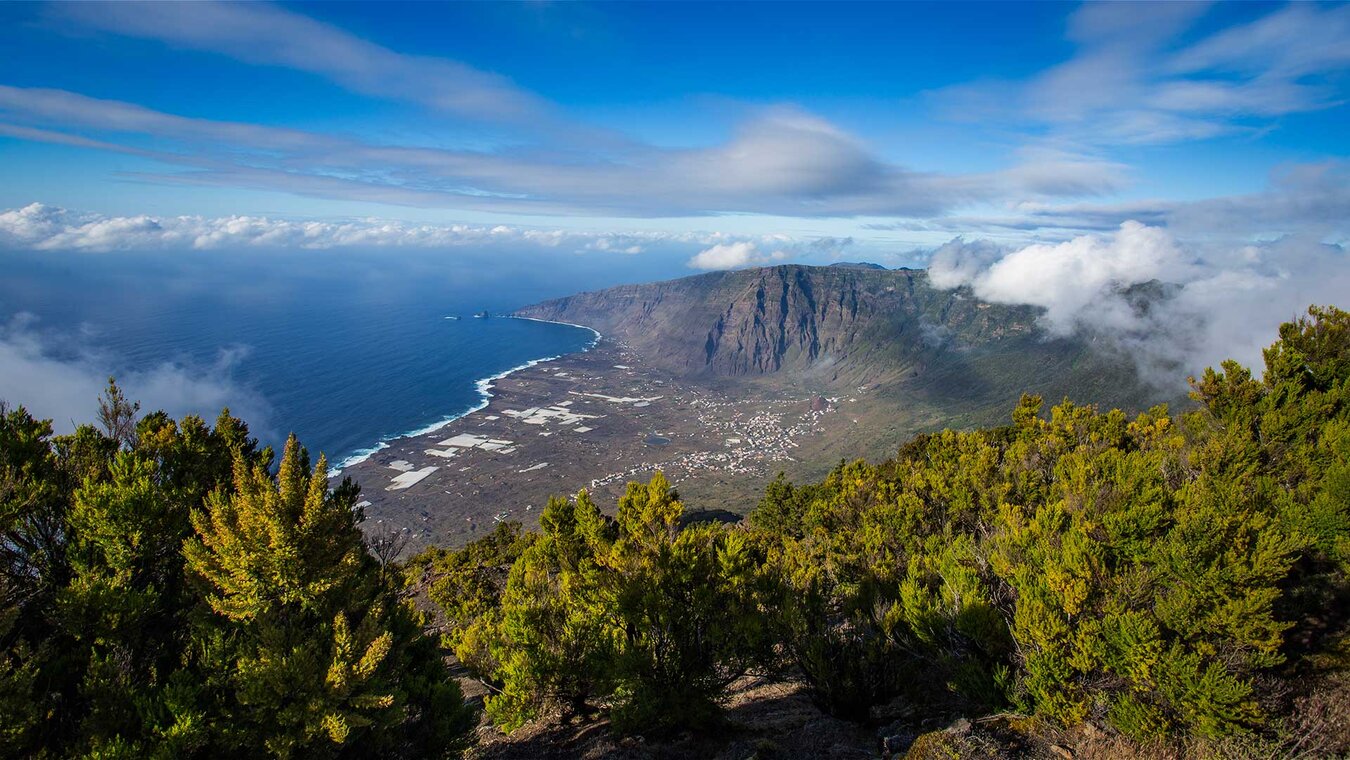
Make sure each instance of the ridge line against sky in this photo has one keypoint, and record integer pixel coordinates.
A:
(1115, 114)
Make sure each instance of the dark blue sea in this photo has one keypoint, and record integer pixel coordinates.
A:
(344, 350)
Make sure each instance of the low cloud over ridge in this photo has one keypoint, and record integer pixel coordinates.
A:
(1200, 303)
(734, 256)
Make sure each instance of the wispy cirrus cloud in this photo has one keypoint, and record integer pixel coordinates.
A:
(779, 161)
(1311, 199)
(783, 161)
(60, 110)
(269, 35)
(1139, 74)
(1135, 77)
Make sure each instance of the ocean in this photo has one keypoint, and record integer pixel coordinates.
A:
(345, 351)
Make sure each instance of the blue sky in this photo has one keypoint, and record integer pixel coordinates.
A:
(767, 131)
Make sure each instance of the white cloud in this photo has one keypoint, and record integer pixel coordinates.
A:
(41, 227)
(63, 110)
(781, 161)
(49, 228)
(1067, 278)
(1205, 302)
(958, 263)
(265, 34)
(787, 153)
(1301, 38)
(1139, 73)
(1137, 78)
(61, 376)
(1051, 172)
(1309, 200)
(734, 256)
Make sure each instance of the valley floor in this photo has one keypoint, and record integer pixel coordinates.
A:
(601, 418)
(598, 420)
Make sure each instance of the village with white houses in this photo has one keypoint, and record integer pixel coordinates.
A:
(549, 429)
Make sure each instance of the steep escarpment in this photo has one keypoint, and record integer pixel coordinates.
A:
(945, 352)
(833, 324)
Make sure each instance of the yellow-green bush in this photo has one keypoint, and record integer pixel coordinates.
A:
(1144, 571)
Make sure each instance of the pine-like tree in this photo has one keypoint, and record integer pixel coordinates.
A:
(317, 655)
(554, 641)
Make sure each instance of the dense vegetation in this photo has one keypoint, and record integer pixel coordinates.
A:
(1166, 575)
(165, 595)
(170, 590)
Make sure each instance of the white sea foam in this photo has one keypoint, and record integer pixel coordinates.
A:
(484, 388)
(569, 324)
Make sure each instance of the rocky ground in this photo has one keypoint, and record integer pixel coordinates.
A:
(774, 719)
(764, 719)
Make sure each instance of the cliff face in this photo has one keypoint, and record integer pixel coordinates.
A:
(831, 324)
(905, 356)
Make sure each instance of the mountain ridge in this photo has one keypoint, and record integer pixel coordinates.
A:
(836, 323)
(840, 329)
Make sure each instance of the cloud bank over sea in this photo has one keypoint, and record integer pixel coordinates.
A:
(59, 376)
(47, 228)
